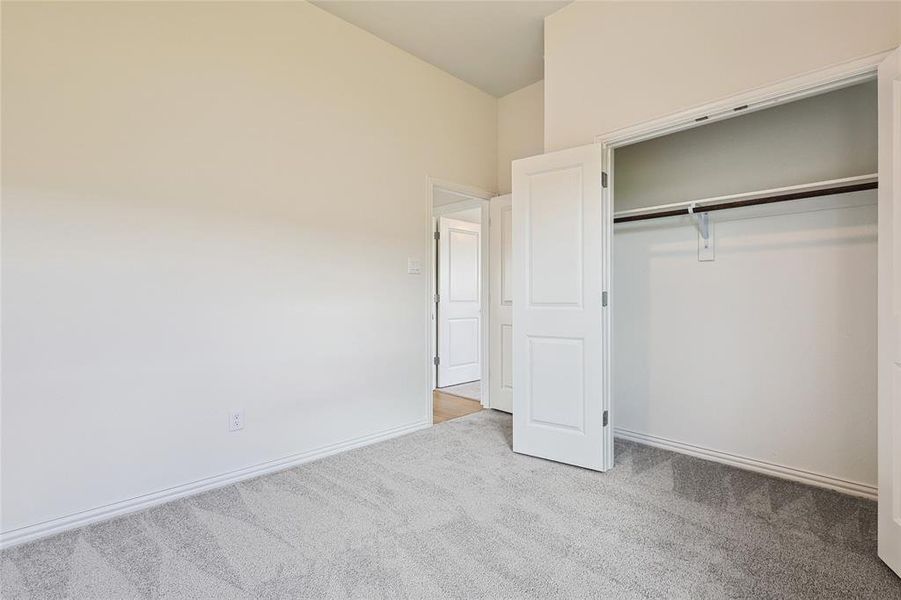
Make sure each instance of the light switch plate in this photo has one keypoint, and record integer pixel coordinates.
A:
(414, 266)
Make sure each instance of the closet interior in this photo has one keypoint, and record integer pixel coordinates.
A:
(744, 290)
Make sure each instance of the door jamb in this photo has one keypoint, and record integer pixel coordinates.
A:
(471, 197)
(787, 90)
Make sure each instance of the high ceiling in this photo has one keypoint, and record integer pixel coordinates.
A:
(497, 46)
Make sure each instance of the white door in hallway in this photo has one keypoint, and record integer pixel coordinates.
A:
(889, 311)
(560, 268)
(501, 318)
(459, 302)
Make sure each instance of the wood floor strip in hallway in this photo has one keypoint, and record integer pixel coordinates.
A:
(447, 406)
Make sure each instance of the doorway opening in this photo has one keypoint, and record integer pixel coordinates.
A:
(459, 373)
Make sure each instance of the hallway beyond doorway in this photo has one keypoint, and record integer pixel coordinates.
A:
(471, 390)
(448, 406)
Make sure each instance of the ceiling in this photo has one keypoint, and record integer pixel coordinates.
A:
(471, 215)
(496, 45)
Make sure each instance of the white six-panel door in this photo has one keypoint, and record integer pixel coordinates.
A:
(460, 302)
(501, 301)
(560, 264)
(889, 313)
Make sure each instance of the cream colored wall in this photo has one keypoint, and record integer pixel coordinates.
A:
(210, 206)
(613, 64)
(520, 129)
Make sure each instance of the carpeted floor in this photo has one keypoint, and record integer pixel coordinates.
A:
(451, 512)
(470, 389)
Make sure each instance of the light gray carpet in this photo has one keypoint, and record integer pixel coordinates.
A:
(451, 512)
(470, 389)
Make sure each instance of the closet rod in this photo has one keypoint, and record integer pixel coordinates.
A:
(797, 192)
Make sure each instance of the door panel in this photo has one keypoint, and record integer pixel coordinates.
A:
(506, 212)
(501, 321)
(889, 312)
(560, 258)
(463, 341)
(556, 373)
(507, 360)
(459, 306)
(555, 238)
(463, 255)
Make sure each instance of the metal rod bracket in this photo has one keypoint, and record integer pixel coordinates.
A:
(702, 220)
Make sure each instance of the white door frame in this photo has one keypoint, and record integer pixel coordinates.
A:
(889, 349)
(787, 90)
(471, 197)
(782, 92)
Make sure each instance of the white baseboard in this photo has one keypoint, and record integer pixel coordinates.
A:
(117, 509)
(853, 488)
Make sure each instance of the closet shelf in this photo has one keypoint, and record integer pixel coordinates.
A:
(793, 192)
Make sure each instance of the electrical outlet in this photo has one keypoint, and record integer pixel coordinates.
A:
(236, 420)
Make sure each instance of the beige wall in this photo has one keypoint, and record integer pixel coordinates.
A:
(520, 129)
(210, 206)
(613, 64)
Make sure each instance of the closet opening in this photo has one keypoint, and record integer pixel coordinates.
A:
(744, 270)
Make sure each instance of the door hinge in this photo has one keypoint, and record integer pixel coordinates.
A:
(606, 417)
(437, 235)
(437, 298)
(436, 361)
(603, 179)
(604, 298)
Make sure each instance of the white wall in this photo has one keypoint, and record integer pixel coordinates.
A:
(769, 352)
(614, 64)
(194, 195)
(520, 130)
(824, 137)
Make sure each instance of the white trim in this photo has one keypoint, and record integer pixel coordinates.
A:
(145, 501)
(431, 322)
(607, 311)
(781, 92)
(853, 488)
